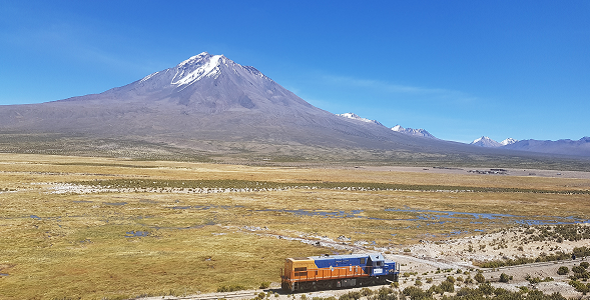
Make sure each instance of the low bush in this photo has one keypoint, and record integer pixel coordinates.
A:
(479, 278)
(447, 286)
(351, 296)
(563, 270)
(580, 287)
(264, 285)
(416, 293)
(505, 278)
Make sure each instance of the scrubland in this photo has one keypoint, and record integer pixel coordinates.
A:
(105, 228)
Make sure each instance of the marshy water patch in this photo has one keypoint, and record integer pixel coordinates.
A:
(438, 215)
(205, 207)
(321, 213)
(115, 203)
(138, 233)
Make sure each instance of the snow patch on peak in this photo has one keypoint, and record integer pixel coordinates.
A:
(149, 76)
(194, 59)
(398, 128)
(508, 141)
(485, 141)
(414, 132)
(206, 66)
(358, 118)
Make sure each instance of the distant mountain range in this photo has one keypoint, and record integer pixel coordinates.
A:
(565, 147)
(212, 105)
(580, 147)
(397, 128)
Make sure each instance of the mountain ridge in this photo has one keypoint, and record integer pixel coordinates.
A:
(211, 104)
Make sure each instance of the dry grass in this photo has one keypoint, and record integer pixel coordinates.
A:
(82, 245)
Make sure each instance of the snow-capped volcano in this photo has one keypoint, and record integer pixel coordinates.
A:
(211, 104)
(485, 141)
(358, 118)
(508, 141)
(204, 100)
(414, 132)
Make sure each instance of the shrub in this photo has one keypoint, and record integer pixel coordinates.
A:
(486, 288)
(563, 270)
(416, 293)
(479, 278)
(264, 285)
(581, 251)
(447, 286)
(384, 293)
(580, 287)
(578, 269)
(366, 291)
(585, 264)
(351, 296)
(505, 278)
(469, 293)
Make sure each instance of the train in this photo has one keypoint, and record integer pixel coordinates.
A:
(337, 271)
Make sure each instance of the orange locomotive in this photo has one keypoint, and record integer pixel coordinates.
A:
(336, 271)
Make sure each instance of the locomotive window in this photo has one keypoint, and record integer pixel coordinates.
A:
(380, 264)
(362, 260)
(300, 269)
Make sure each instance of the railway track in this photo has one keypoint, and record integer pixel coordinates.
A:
(252, 294)
(228, 295)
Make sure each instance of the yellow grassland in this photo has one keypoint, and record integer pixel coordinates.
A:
(117, 245)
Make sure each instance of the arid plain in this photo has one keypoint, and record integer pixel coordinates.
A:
(106, 228)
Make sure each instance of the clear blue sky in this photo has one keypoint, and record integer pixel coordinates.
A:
(459, 69)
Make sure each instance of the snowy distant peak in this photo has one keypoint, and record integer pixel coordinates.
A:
(358, 118)
(414, 132)
(508, 141)
(485, 141)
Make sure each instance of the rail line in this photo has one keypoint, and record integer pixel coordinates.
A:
(229, 295)
(252, 294)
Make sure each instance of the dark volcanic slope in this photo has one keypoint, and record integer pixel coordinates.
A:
(209, 100)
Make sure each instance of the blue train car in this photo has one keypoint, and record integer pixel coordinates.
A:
(337, 271)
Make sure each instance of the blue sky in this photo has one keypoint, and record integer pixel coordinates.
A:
(459, 69)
